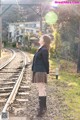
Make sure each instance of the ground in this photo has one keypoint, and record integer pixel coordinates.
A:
(57, 107)
(5, 55)
(63, 95)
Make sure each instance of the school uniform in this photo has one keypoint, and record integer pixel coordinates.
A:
(40, 66)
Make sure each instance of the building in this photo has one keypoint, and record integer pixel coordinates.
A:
(16, 31)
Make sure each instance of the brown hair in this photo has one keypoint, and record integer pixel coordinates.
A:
(47, 41)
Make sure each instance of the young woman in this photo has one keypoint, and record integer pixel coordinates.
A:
(40, 68)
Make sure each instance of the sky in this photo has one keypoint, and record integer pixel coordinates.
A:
(22, 1)
(8, 1)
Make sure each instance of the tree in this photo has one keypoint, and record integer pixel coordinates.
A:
(56, 44)
(69, 18)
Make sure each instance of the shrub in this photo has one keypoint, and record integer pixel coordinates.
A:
(14, 44)
(33, 50)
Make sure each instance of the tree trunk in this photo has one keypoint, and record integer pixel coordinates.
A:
(0, 28)
(78, 63)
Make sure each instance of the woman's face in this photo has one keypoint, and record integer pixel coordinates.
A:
(41, 41)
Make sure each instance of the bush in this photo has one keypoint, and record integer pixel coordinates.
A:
(33, 50)
(14, 44)
(5, 43)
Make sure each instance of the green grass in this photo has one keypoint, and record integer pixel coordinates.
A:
(70, 87)
(72, 93)
(53, 63)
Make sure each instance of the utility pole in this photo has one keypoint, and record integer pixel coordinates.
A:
(38, 12)
(0, 28)
(40, 17)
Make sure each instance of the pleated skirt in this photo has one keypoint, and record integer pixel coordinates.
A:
(39, 77)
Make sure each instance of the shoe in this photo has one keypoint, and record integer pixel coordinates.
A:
(40, 113)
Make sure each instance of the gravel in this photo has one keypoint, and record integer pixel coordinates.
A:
(6, 54)
(56, 106)
(7, 77)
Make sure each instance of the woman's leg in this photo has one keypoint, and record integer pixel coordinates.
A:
(42, 98)
(41, 89)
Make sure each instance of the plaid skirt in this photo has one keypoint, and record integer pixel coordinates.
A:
(39, 77)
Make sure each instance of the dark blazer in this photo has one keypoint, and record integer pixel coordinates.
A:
(40, 61)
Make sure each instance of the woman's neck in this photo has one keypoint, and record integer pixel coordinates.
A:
(41, 46)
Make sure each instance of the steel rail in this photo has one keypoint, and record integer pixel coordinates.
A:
(8, 61)
(17, 85)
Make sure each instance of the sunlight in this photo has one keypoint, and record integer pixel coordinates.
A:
(53, 4)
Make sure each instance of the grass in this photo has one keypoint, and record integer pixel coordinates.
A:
(70, 86)
(72, 94)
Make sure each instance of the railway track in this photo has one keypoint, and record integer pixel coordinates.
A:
(13, 87)
(9, 60)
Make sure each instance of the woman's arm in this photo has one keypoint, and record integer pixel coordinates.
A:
(45, 59)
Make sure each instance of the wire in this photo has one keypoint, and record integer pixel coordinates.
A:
(5, 10)
(18, 4)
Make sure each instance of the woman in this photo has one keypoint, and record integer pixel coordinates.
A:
(40, 68)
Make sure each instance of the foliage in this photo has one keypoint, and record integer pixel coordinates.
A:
(56, 45)
(64, 44)
(26, 41)
(72, 93)
(68, 34)
(33, 50)
(14, 44)
(69, 86)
